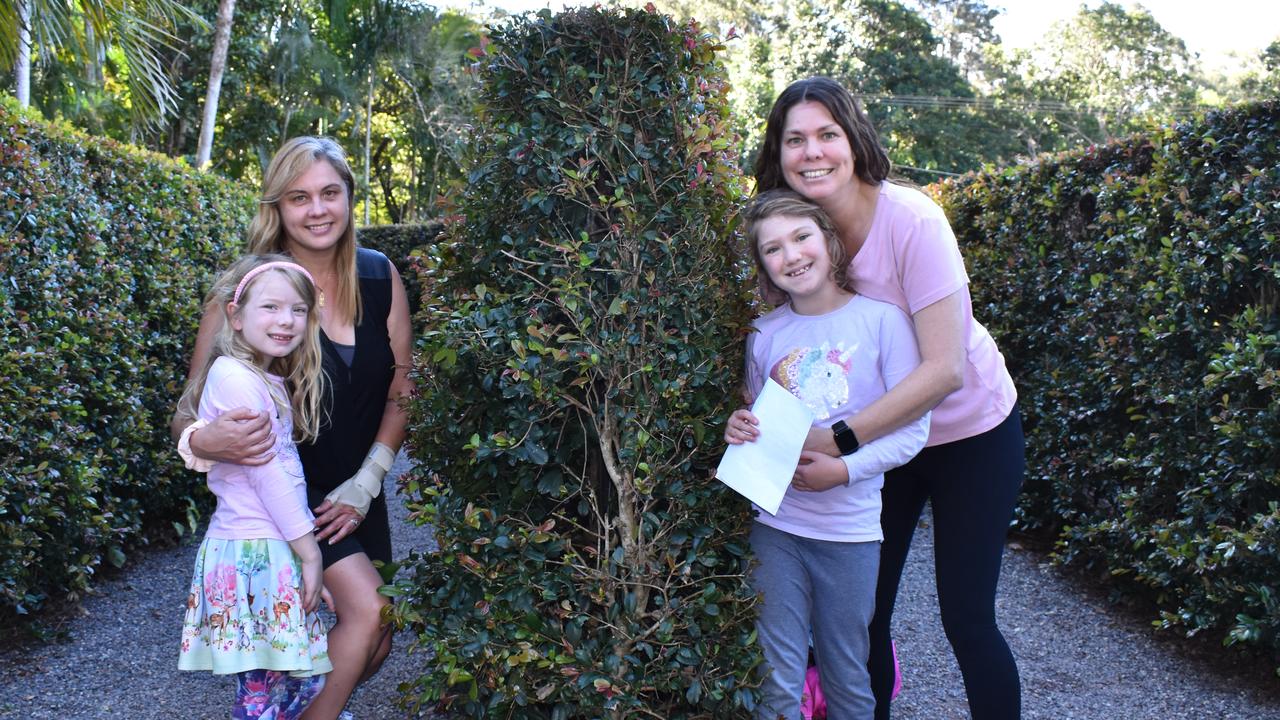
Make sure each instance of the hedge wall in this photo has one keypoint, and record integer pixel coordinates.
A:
(398, 243)
(105, 254)
(1133, 289)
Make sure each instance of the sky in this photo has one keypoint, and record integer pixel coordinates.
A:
(1212, 28)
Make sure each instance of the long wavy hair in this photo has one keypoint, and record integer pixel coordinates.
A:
(789, 203)
(871, 161)
(266, 231)
(301, 369)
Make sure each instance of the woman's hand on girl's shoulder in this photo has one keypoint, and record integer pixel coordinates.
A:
(741, 428)
(240, 436)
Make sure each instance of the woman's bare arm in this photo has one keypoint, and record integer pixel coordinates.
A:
(939, 332)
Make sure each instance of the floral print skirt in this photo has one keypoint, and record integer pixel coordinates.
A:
(244, 612)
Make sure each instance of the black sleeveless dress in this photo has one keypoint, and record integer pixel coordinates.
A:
(357, 398)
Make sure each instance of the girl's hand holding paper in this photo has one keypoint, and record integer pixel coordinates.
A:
(761, 469)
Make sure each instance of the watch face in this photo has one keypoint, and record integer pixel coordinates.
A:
(846, 441)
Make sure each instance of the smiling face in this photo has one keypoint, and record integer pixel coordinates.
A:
(816, 157)
(271, 317)
(315, 209)
(793, 251)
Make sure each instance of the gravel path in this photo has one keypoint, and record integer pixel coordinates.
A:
(121, 657)
(1080, 656)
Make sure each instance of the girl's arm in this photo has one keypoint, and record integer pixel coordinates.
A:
(240, 436)
(313, 590)
(333, 516)
(939, 332)
(276, 490)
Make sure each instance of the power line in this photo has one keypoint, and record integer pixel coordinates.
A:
(899, 166)
(986, 103)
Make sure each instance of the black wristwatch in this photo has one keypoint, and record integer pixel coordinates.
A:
(845, 439)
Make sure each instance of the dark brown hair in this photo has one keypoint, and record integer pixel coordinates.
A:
(871, 162)
(789, 203)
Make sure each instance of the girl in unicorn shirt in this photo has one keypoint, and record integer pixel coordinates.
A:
(818, 557)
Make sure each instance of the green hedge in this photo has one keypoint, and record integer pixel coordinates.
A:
(399, 243)
(1133, 289)
(582, 348)
(105, 254)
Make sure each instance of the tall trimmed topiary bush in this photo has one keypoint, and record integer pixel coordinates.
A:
(583, 345)
(399, 243)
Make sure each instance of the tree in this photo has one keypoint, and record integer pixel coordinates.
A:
(387, 78)
(22, 66)
(965, 33)
(217, 65)
(886, 54)
(1259, 81)
(87, 29)
(1112, 67)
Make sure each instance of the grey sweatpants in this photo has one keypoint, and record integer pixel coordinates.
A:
(824, 589)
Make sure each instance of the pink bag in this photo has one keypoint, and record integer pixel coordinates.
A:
(813, 704)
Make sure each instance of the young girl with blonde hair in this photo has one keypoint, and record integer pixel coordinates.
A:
(257, 582)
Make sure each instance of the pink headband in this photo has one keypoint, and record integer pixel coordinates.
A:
(249, 276)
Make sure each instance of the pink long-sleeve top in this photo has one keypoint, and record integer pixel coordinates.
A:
(263, 501)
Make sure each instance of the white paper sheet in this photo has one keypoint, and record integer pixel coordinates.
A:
(762, 470)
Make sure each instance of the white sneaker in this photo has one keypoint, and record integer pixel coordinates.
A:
(346, 715)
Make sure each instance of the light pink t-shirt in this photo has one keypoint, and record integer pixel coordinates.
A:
(911, 259)
(263, 501)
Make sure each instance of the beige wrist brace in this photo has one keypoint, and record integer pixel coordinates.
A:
(366, 484)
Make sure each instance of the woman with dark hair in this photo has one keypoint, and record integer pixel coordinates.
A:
(307, 211)
(819, 143)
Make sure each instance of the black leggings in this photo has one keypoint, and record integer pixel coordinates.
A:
(972, 485)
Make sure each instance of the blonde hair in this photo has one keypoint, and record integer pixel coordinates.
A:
(789, 203)
(301, 369)
(266, 232)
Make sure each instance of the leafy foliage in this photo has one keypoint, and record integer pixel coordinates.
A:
(586, 299)
(404, 245)
(105, 255)
(329, 68)
(97, 41)
(1134, 291)
(889, 56)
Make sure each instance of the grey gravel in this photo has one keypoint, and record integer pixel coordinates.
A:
(121, 657)
(1080, 655)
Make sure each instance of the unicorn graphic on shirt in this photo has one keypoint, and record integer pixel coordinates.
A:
(819, 376)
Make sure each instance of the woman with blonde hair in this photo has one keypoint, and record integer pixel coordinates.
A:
(307, 212)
